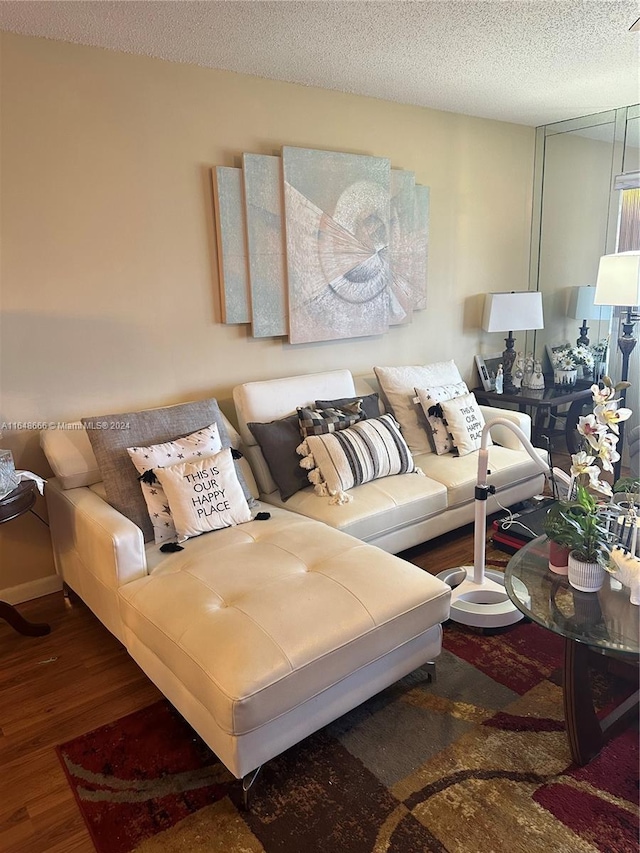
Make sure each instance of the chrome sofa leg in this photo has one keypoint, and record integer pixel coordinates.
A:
(248, 782)
(430, 666)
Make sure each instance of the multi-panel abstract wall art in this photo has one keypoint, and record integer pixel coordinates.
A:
(320, 245)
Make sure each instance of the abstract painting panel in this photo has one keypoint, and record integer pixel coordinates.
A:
(232, 247)
(421, 247)
(265, 243)
(401, 255)
(337, 236)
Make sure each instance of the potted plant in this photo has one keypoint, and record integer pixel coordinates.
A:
(599, 352)
(626, 493)
(565, 371)
(588, 540)
(579, 520)
(583, 359)
(555, 527)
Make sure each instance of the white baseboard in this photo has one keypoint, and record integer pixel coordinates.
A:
(31, 589)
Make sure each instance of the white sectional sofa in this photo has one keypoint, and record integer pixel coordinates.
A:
(258, 634)
(396, 512)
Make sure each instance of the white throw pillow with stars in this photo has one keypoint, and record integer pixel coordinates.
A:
(204, 442)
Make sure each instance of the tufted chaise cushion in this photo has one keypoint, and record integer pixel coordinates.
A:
(280, 611)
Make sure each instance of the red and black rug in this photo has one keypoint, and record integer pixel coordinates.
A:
(476, 763)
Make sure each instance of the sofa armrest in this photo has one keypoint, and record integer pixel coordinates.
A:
(108, 544)
(501, 434)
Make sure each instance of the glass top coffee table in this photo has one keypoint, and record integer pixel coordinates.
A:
(604, 622)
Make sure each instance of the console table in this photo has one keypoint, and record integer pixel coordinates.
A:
(13, 505)
(604, 623)
(543, 407)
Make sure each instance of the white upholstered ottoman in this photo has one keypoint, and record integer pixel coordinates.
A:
(262, 633)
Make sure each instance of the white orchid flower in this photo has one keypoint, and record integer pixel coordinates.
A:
(602, 395)
(592, 430)
(610, 415)
(607, 452)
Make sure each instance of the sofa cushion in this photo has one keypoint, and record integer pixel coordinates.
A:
(284, 611)
(459, 473)
(429, 399)
(151, 426)
(261, 402)
(203, 442)
(278, 441)
(378, 508)
(369, 450)
(204, 494)
(398, 385)
(370, 404)
(465, 423)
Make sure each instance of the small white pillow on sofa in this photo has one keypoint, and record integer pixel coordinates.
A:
(370, 449)
(203, 442)
(204, 495)
(429, 399)
(398, 385)
(465, 422)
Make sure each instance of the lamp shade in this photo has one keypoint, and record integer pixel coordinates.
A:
(582, 307)
(619, 280)
(512, 312)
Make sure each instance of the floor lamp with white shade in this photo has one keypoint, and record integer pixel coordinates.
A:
(618, 284)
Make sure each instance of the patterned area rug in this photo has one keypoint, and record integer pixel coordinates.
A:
(476, 763)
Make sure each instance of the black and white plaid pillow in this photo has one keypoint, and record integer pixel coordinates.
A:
(324, 421)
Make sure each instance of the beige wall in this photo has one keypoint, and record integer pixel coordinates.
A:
(109, 286)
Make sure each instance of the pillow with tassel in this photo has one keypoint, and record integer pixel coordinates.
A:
(369, 450)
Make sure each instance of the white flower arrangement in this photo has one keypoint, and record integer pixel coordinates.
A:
(601, 434)
(568, 358)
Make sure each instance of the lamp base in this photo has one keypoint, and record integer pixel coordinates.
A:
(583, 340)
(483, 605)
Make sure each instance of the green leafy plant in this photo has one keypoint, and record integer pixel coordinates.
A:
(555, 526)
(577, 525)
(628, 485)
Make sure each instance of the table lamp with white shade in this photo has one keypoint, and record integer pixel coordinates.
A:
(512, 312)
(618, 284)
(582, 307)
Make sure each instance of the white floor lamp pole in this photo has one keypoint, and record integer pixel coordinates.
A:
(478, 596)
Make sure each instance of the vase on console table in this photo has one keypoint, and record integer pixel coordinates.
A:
(564, 379)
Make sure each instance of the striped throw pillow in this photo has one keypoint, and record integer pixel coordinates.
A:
(370, 449)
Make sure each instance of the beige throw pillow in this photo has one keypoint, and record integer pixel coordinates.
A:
(398, 385)
(204, 495)
(465, 423)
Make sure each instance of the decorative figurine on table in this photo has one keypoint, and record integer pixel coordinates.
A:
(518, 371)
(499, 380)
(528, 371)
(536, 383)
(626, 568)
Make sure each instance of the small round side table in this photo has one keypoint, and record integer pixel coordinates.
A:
(13, 505)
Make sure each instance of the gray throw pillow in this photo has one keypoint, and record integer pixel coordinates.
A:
(278, 441)
(370, 404)
(110, 435)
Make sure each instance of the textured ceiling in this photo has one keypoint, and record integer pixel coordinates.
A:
(526, 62)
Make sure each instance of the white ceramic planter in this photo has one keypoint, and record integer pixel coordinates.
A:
(587, 577)
(565, 378)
